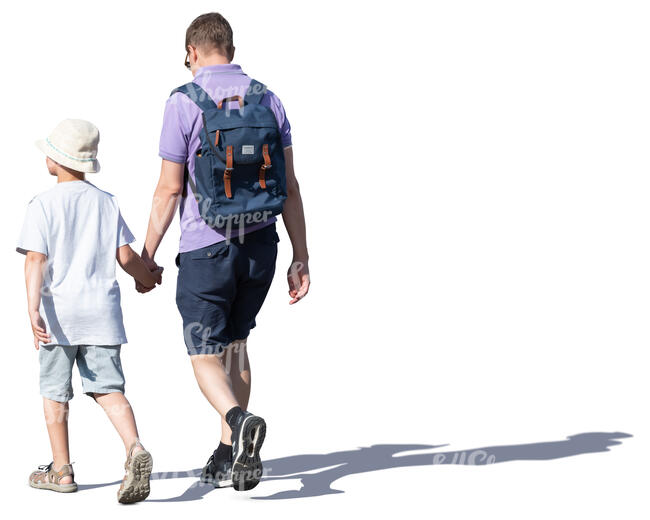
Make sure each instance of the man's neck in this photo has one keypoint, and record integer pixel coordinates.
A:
(213, 59)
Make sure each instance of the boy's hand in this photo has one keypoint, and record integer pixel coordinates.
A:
(38, 328)
(151, 265)
(298, 278)
(141, 288)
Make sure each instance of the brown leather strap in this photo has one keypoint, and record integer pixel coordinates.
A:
(216, 140)
(231, 98)
(265, 166)
(227, 174)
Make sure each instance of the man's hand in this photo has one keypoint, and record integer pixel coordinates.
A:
(157, 274)
(298, 278)
(38, 328)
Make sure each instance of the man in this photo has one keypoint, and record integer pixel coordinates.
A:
(223, 280)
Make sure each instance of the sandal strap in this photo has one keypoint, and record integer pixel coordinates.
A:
(49, 474)
(136, 443)
(65, 471)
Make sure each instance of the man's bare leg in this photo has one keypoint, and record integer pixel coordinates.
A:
(214, 382)
(236, 364)
(218, 377)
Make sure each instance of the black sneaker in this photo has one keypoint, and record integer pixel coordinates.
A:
(217, 472)
(247, 437)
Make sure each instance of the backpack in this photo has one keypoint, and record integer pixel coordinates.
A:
(239, 173)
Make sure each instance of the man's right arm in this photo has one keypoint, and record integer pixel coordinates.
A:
(166, 199)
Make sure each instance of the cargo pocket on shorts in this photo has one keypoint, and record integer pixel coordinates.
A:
(205, 253)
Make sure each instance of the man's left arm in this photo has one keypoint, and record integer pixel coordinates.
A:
(293, 216)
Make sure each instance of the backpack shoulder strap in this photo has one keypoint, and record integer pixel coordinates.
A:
(196, 94)
(255, 92)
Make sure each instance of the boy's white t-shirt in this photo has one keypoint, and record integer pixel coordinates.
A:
(79, 228)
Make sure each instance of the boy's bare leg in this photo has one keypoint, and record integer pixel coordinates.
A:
(214, 382)
(139, 463)
(56, 418)
(119, 411)
(236, 364)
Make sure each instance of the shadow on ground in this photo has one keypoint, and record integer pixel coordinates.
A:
(317, 472)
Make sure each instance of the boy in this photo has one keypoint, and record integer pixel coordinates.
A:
(71, 237)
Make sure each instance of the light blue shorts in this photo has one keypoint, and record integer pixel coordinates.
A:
(99, 366)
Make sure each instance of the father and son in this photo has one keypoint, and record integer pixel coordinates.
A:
(227, 163)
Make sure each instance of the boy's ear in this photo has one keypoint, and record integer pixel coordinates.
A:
(51, 165)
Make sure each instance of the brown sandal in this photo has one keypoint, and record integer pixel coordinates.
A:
(135, 485)
(47, 478)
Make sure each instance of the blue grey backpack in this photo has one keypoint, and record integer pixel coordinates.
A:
(239, 170)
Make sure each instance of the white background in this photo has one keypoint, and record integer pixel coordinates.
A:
(475, 177)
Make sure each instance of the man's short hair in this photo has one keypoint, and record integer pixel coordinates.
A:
(211, 32)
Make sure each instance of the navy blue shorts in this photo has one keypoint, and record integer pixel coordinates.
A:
(221, 288)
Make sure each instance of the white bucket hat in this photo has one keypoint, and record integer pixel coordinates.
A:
(73, 144)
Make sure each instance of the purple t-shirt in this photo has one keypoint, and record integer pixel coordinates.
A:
(180, 139)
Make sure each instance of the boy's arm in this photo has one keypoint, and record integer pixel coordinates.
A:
(293, 217)
(165, 201)
(131, 262)
(34, 265)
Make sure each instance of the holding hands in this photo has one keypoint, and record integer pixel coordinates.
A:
(146, 276)
(154, 269)
(156, 275)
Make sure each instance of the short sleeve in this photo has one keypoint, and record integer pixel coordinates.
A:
(33, 236)
(124, 235)
(274, 103)
(174, 137)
